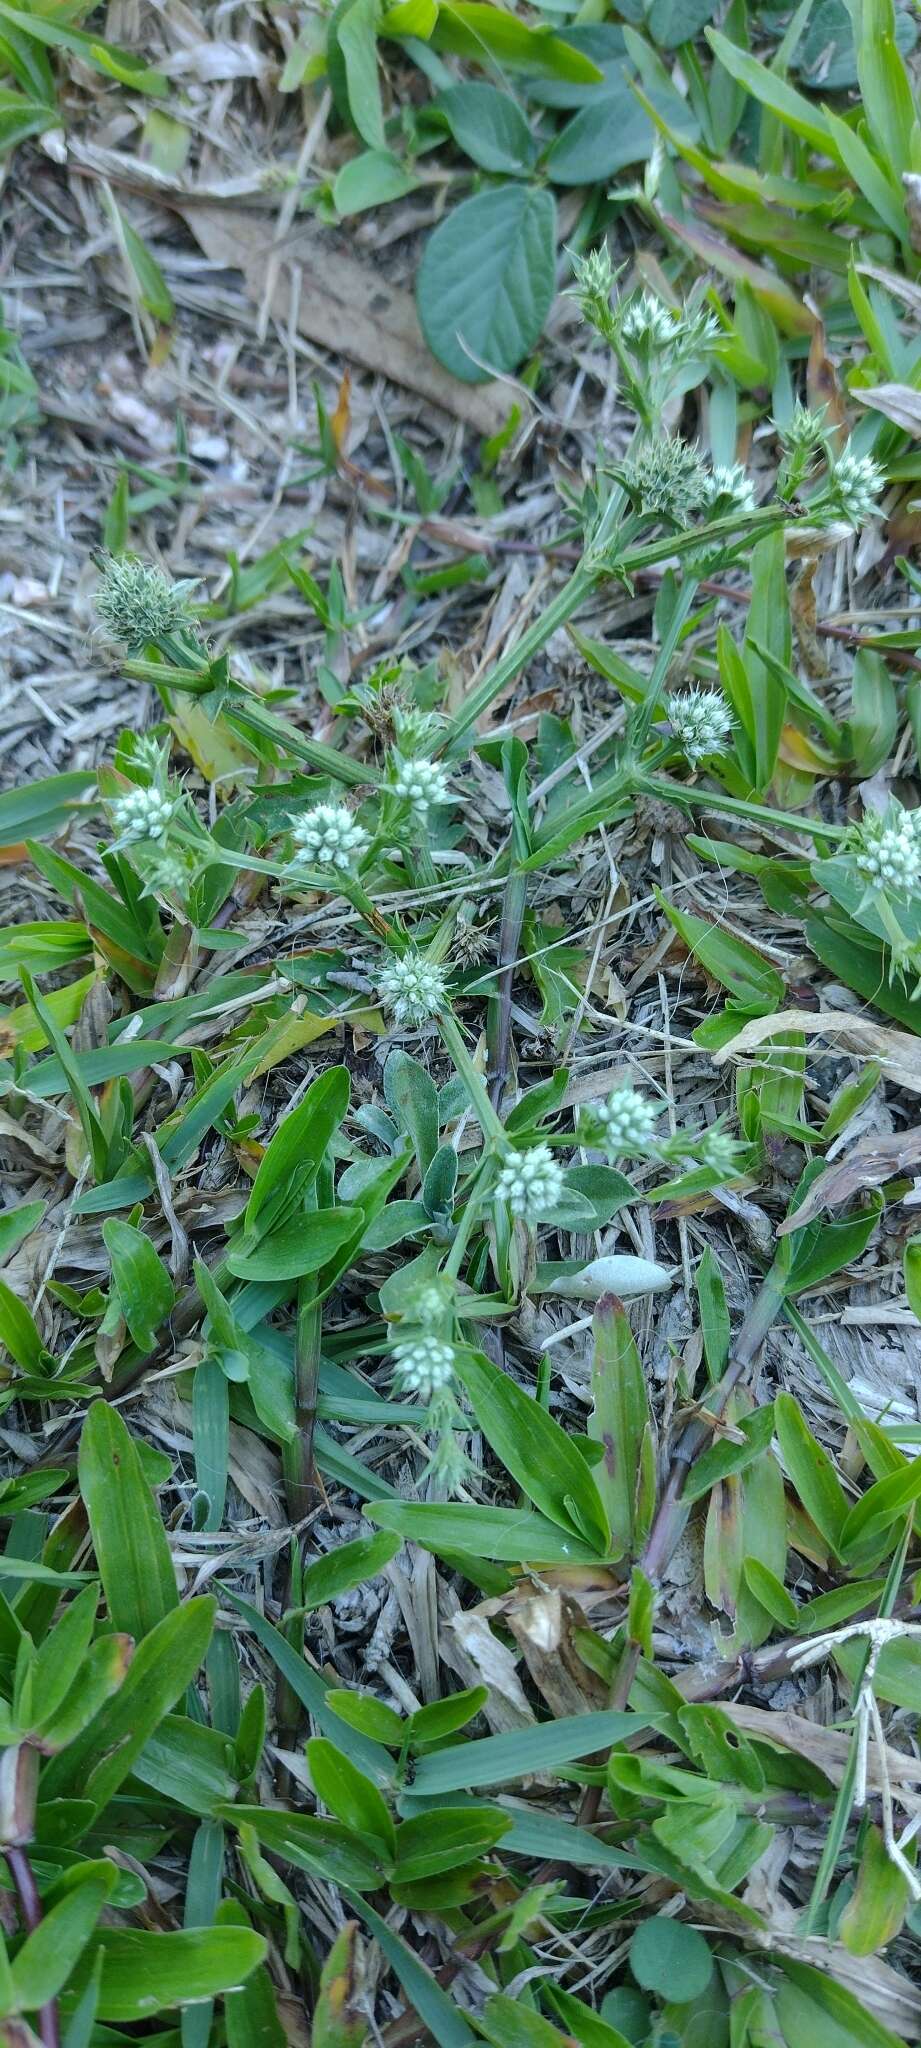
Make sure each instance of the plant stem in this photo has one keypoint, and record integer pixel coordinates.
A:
(490, 1123)
(642, 717)
(734, 806)
(30, 1906)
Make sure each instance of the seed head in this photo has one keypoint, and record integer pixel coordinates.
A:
(139, 605)
(420, 782)
(804, 433)
(627, 1119)
(594, 282)
(423, 1365)
(701, 722)
(854, 486)
(531, 1183)
(141, 814)
(666, 478)
(329, 835)
(413, 987)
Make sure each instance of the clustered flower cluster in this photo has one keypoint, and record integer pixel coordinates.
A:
(142, 814)
(413, 987)
(668, 479)
(531, 1183)
(887, 849)
(625, 1127)
(329, 836)
(700, 720)
(424, 1368)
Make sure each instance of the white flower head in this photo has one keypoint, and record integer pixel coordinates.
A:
(142, 814)
(855, 484)
(729, 490)
(413, 987)
(423, 1365)
(139, 605)
(531, 1183)
(646, 325)
(429, 1305)
(701, 721)
(329, 835)
(420, 782)
(627, 1119)
(888, 850)
(594, 276)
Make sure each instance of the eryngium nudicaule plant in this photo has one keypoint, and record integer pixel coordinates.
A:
(328, 836)
(138, 605)
(413, 987)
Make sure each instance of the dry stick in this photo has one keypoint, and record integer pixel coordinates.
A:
(30, 1906)
(670, 1518)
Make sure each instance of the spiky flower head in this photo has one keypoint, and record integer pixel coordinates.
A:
(855, 484)
(139, 605)
(419, 782)
(142, 814)
(666, 478)
(531, 1183)
(804, 433)
(888, 849)
(329, 835)
(701, 722)
(720, 1153)
(593, 284)
(649, 329)
(413, 987)
(645, 324)
(627, 1120)
(728, 490)
(423, 1364)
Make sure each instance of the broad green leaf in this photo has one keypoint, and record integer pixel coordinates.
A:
(19, 1334)
(746, 974)
(445, 1717)
(488, 125)
(535, 1450)
(164, 1664)
(292, 1159)
(509, 1534)
(339, 2019)
(487, 278)
(877, 1906)
(300, 1246)
(874, 713)
(129, 1539)
(146, 1295)
(499, 1759)
(714, 1315)
(251, 2013)
(792, 109)
(324, 1848)
(814, 2009)
(620, 1421)
(507, 2023)
(352, 1797)
(603, 137)
(433, 1842)
(190, 1764)
(375, 178)
(881, 1507)
(438, 2011)
(145, 1973)
(35, 810)
(670, 1958)
(811, 1471)
(350, 1564)
(412, 1099)
(477, 31)
(356, 35)
(49, 1954)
